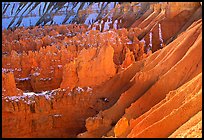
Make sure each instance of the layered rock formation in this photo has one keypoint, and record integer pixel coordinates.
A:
(87, 68)
(59, 49)
(152, 22)
(9, 85)
(62, 60)
(136, 82)
(144, 95)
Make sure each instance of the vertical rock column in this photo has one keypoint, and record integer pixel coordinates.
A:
(8, 84)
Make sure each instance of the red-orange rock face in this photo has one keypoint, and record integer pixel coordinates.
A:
(31, 73)
(74, 81)
(9, 85)
(143, 111)
(100, 64)
(174, 8)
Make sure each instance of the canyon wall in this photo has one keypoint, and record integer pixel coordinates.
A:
(143, 95)
(44, 67)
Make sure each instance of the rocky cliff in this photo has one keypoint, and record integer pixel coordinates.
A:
(143, 95)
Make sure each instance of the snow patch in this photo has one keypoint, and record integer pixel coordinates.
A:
(100, 27)
(36, 74)
(79, 89)
(45, 79)
(91, 18)
(7, 70)
(17, 69)
(28, 97)
(59, 66)
(143, 41)
(23, 79)
(106, 25)
(57, 115)
(115, 25)
(48, 94)
(130, 42)
(160, 35)
(94, 28)
(150, 40)
(29, 93)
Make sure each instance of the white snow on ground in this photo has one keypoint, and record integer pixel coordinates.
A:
(28, 100)
(130, 42)
(28, 97)
(70, 19)
(17, 69)
(160, 35)
(29, 93)
(8, 11)
(5, 22)
(57, 115)
(91, 18)
(79, 89)
(7, 70)
(27, 21)
(77, 7)
(31, 20)
(115, 25)
(45, 79)
(111, 5)
(150, 40)
(100, 28)
(143, 40)
(34, 15)
(95, 6)
(106, 25)
(94, 28)
(58, 19)
(36, 74)
(23, 79)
